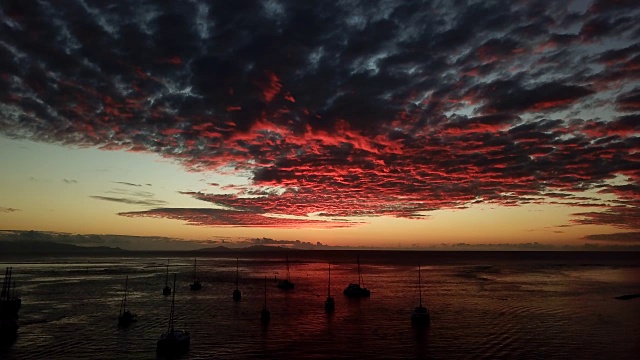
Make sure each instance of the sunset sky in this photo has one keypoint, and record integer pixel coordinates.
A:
(360, 123)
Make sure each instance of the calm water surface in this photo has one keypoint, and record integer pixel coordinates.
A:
(483, 305)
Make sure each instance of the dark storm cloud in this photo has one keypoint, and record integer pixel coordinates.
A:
(606, 26)
(357, 108)
(509, 97)
(621, 216)
(629, 101)
(131, 201)
(127, 183)
(625, 237)
(618, 6)
(131, 197)
(619, 55)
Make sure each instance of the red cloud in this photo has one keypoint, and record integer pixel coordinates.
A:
(230, 218)
(289, 97)
(383, 123)
(619, 216)
(272, 88)
(173, 60)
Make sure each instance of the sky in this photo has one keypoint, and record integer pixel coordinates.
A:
(349, 123)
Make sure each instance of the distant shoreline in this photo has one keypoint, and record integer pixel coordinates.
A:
(48, 248)
(554, 259)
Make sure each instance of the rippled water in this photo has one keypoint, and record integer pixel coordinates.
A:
(483, 305)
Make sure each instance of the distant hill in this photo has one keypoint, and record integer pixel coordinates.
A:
(40, 247)
(248, 248)
(215, 249)
(265, 248)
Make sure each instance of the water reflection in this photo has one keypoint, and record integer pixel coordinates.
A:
(421, 339)
(496, 300)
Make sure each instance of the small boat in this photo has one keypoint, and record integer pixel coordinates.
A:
(329, 304)
(286, 284)
(167, 290)
(357, 290)
(126, 317)
(173, 342)
(9, 307)
(196, 283)
(9, 303)
(265, 315)
(420, 315)
(236, 293)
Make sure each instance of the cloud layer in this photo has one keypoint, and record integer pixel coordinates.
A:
(340, 109)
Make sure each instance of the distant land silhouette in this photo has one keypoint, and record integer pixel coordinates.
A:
(41, 247)
(47, 242)
(248, 248)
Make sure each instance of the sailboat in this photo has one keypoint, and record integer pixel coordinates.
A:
(126, 317)
(167, 290)
(9, 303)
(236, 293)
(9, 307)
(329, 304)
(420, 315)
(265, 315)
(173, 342)
(357, 290)
(286, 284)
(196, 283)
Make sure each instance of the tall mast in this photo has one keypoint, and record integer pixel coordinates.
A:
(329, 286)
(166, 279)
(237, 273)
(4, 284)
(123, 303)
(194, 270)
(360, 280)
(288, 275)
(420, 285)
(173, 302)
(265, 292)
(126, 287)
(9, 284)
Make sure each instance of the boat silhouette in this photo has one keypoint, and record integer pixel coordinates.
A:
(125, 317)
(174, 341)
(286, 284)
(9, 303)
(420, 314)
(357, 290)
(196, 285)
(9, 307)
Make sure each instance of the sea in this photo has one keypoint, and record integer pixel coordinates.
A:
(484, 305)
